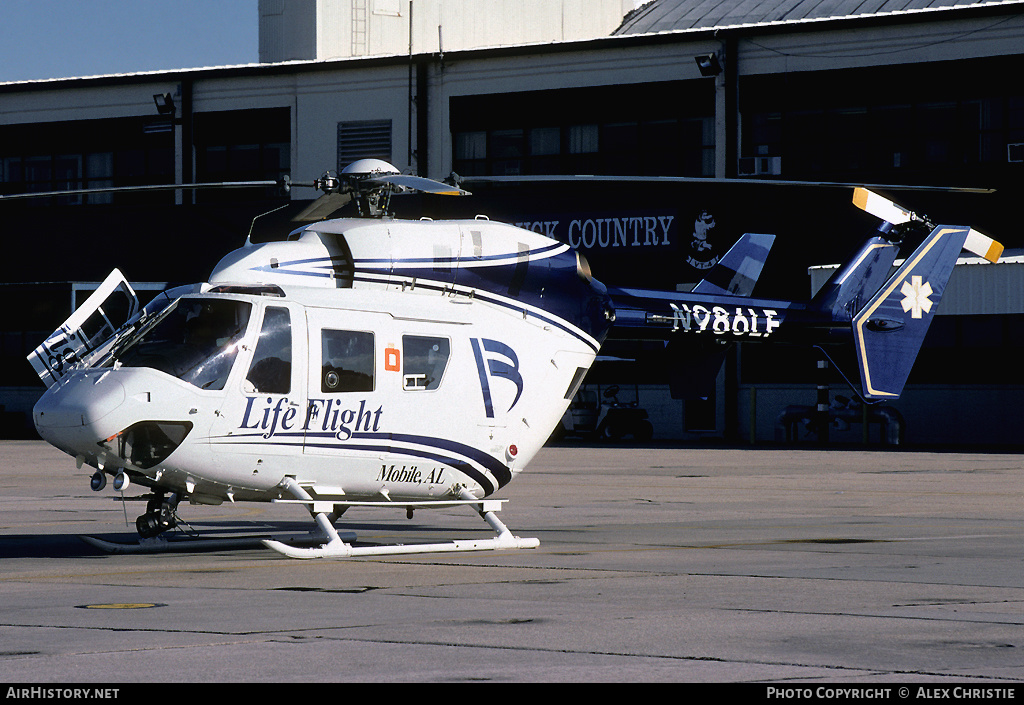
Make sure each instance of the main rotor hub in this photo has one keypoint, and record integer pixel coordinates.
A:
(362, 168)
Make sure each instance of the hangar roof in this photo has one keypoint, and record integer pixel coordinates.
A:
(675, 15)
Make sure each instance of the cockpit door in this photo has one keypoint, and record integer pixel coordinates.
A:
(347, 357)
(260, 417)
(87, 331)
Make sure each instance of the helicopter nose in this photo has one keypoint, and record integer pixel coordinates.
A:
(74, 409)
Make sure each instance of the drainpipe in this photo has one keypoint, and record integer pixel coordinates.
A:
(422, 119)
(727, 92)
(187, 146)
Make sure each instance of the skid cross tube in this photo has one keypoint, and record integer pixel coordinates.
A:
(336, 547)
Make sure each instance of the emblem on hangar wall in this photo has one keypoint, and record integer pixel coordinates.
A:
(702, 253)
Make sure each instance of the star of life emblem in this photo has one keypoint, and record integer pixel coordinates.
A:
(915, 297)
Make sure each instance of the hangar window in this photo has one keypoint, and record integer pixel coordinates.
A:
(604, 130)
(545, 141)
(242, 145)
(471, 153)
(544, 148)
(86, 154)
(583, 139)
(506, 149)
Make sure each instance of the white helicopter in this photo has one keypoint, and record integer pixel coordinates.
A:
(377, 362)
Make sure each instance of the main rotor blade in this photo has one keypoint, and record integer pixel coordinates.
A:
(151, 187)
(323, 206)
(419, 183)
(538, 178)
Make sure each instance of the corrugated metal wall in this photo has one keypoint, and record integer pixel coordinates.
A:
(975, 287)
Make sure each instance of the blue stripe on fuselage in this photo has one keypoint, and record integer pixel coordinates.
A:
(523, 282)
(437, 449)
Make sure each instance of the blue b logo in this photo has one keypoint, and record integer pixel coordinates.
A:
(505, 366)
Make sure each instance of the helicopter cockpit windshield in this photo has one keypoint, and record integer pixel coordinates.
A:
(196, 341)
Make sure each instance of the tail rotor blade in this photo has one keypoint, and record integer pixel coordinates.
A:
(881, 207)
(983, 246)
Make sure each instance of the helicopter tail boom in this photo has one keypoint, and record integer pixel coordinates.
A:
(861, 312)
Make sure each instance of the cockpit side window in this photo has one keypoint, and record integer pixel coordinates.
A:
(197, 341)
(271, 368)
(347, 362)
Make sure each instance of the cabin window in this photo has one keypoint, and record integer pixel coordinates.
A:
(425, 360)
(196, 341)
(271, 368)
(347, 361)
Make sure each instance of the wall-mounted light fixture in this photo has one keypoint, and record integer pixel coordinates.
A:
(164, 103)
(708, 64)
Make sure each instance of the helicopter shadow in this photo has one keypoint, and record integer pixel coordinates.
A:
(221, 536)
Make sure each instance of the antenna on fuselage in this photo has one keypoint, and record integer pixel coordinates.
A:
(248, 238)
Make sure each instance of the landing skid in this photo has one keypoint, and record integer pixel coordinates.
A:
(340, 549)
(337, 547)
(188, 544)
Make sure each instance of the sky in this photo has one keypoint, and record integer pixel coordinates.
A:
(42, 39)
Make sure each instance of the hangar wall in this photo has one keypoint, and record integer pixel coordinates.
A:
(603, 104)
(333, 29)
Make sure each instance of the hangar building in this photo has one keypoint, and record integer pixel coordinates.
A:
(908, 92)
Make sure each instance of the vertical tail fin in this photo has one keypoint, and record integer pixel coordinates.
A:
(889, 329)
(850, 286)
(737, 272)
